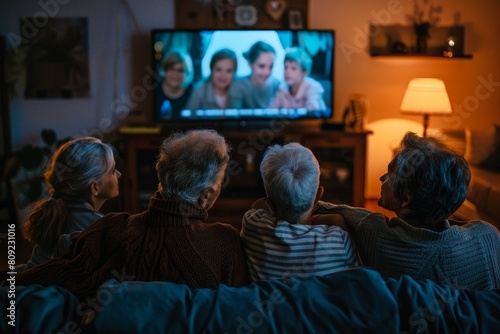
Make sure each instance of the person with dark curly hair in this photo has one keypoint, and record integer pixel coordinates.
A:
(425, 184)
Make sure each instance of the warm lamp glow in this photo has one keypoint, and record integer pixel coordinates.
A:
(426, 96)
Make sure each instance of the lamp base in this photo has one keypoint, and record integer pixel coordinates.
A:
(426, 124)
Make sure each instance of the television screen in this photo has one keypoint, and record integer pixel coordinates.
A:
(243, 74)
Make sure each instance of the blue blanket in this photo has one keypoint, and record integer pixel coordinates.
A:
(425, 307)
(350, 301)
(39, 309)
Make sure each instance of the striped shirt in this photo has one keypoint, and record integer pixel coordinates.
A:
(277, 249)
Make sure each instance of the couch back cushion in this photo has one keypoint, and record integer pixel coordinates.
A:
(478, 144)
(348, 301)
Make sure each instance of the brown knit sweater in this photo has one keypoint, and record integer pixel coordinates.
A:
(167, 242)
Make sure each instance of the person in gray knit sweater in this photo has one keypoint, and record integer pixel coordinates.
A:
(425, 183)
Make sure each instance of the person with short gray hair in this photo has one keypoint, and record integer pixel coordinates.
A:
(280, 235)
(426, 182)
(170, 240)
(189, 162)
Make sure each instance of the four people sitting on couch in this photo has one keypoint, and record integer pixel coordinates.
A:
(425, 183)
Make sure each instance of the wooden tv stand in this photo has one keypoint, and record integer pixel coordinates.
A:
(341, 155)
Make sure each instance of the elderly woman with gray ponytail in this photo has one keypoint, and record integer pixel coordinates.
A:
(81, 176)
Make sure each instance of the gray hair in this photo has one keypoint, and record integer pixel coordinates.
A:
(71, 170)
(433, 175)
(75, 165)
(189, 163)
(291, 179)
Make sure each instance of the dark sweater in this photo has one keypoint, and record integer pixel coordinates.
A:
(461, 255)
(167, 242)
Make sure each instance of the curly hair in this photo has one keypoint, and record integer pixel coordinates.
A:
(434, 176)
(189, 162)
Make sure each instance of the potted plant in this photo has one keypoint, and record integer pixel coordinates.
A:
(25, 169)
(424, 16)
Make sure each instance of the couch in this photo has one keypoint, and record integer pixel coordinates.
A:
(481, 148)
(355, 301)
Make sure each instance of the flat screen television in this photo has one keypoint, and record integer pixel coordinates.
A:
(242, 75)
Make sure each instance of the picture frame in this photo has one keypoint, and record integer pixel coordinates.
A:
(58, 58)
(245, 15)
(197, 14)
(295, 19)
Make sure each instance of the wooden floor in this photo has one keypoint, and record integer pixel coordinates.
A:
(23, 248)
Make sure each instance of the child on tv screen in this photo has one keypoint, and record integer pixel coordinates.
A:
(299, 90)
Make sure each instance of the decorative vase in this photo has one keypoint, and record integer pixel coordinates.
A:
(421, 44)
(354, 113)
(422, 33)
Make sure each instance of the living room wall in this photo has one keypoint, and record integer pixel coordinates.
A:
(383, 80)
(119, 62)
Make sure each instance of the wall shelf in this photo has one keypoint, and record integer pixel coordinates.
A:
(401, 41)
(419, 55)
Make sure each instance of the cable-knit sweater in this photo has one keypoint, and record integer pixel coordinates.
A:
(167, 242)
(461, 255)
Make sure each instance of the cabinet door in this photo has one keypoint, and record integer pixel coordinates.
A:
(243, 179)
(341, 157)
(139, 177)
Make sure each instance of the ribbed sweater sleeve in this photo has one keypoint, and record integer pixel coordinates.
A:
(461, 255)
(352, 215)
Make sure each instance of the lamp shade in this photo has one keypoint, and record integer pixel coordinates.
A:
(426, 96)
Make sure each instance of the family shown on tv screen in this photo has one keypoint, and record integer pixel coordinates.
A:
(243, 74)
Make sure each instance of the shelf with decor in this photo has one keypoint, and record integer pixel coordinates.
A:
(404, 41)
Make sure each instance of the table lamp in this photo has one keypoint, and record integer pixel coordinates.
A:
(426, 96)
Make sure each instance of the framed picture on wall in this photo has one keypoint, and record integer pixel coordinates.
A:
(57, 61)
(295, 19)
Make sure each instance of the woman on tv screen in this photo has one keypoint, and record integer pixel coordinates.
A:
(216, 92)
(177, 85)
(259, 87)
(238, 73)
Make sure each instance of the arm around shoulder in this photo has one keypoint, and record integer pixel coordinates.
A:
(352, 215)
(331, 220)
